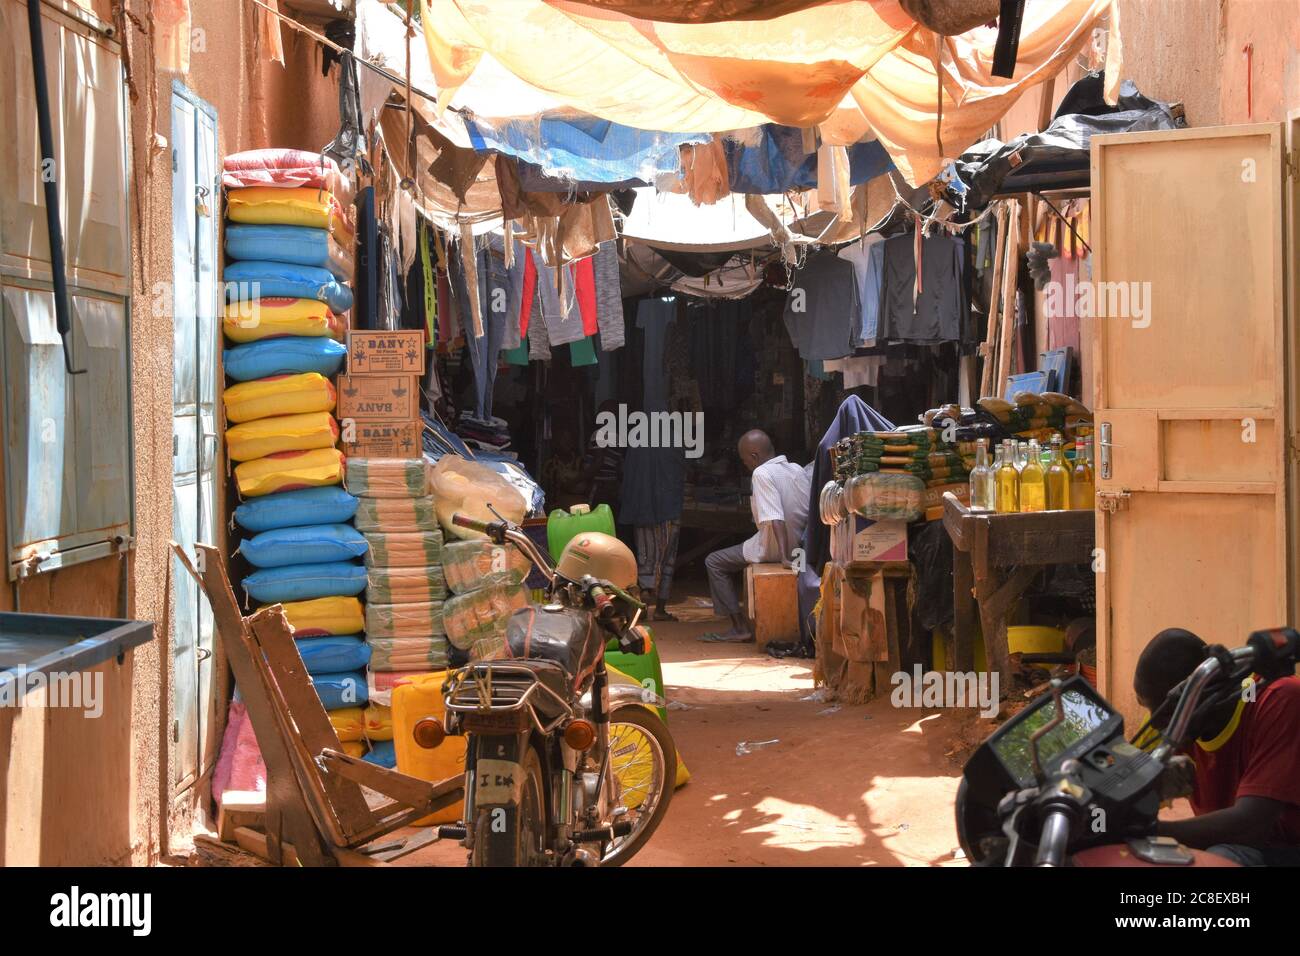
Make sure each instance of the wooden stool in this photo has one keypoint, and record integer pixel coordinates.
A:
(772, 603)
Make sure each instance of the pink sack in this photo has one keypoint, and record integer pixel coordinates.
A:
(240, 766)
(287, 168)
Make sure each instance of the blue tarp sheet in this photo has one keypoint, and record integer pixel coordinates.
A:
(587, 149)
(779, 163)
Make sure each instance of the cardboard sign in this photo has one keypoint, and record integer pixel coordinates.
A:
(363, 439)
(391, 398)
(879, 541)
(385, 353)
(859, 541)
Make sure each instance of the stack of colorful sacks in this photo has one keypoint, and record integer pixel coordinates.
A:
(304, 553)
(288, 242)
(918, 451)
(405, 588)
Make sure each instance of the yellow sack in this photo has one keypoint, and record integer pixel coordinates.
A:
(349, 723)
(271, 436)
(324, 617)
(275, 205)
(250, 320)
(279, 395)
(354, 748)
(287, 471)
(379, 722)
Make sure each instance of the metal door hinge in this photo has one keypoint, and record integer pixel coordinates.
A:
(1112, 501)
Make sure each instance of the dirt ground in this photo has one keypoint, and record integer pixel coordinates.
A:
(865, 785)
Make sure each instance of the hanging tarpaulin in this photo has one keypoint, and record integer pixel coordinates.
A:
(795, 69)
(583, 148)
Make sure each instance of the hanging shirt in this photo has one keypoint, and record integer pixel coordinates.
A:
(609, 297)
(653, 316)
(934, 313)
(780, 493)
(868, 257)
(822, 310)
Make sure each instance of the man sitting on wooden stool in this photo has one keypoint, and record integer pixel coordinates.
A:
(780, 508)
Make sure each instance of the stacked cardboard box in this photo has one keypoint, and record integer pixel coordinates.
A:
(379, 397)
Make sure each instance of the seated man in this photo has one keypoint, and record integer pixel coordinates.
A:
(780, 508)
(1247, 785)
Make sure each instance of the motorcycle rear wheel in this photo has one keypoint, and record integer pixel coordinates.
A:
(514, 836)
(643, 759)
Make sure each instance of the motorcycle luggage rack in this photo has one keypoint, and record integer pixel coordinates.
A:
(505, 687)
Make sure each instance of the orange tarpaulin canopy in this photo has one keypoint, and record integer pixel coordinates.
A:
(796, 69)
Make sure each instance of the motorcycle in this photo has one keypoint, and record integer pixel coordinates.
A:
(1059, 783)
(564, 765)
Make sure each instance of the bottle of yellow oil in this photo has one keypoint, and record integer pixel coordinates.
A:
(1033, 481)
(1007, 480)
(1082, 482)
(1058, 478)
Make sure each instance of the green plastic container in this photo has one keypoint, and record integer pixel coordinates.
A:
(563, 526)
(640, 667)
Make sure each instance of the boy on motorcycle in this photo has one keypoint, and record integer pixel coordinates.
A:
(1246, 793)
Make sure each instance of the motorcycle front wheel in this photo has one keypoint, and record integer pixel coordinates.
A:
(643, 764)
(514, 836)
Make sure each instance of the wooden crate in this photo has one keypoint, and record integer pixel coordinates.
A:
(772, 603)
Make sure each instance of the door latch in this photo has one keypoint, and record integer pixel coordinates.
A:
(1112, 501)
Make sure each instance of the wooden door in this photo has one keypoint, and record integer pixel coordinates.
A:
(1190, 390)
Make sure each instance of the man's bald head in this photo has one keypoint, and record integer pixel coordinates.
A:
(755, 447)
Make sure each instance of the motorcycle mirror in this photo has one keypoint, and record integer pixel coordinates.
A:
(1047, 728)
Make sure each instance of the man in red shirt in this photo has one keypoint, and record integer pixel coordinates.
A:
(1247, 756)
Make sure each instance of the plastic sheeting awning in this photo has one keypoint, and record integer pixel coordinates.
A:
(794, 70)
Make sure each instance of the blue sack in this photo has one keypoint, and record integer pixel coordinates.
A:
(330, 655)
(383, 753)
(290, 355)
(292, 509)
(305, 582)
(301, 245)
(339, 690)
(305, 544)
(260, 279)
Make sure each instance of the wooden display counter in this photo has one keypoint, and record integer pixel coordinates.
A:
(997, 556)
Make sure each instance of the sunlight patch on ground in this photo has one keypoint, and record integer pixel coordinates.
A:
(909, 811)
(916, 727)
(796, 826)
(765, 674)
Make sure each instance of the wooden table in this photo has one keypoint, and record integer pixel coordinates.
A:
(997, 556)
(718, 525)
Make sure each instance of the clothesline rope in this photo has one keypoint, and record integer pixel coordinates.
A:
(925, 220)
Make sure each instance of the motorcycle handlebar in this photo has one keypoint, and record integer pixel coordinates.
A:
(473, 524)
(1054, 839)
